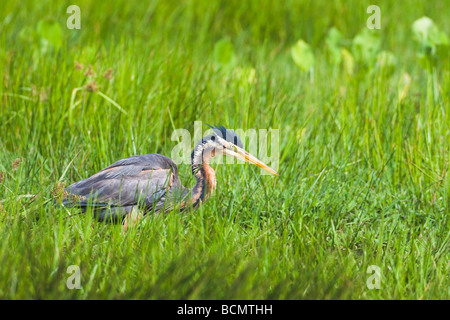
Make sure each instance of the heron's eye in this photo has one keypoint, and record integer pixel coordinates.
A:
(213, 138)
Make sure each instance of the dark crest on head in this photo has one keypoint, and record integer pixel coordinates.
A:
(227, 134)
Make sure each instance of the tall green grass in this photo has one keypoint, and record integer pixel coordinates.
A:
(363, 174)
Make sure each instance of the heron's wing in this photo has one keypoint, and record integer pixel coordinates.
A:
(138, 180)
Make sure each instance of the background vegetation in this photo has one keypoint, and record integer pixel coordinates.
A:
(364, 147)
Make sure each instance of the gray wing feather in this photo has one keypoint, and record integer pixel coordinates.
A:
(142, 180)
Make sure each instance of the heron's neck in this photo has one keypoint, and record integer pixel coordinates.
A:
(205, 175)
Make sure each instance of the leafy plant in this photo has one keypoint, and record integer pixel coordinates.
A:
(303, 57)
(348, 61)
(224, 53)
(50, 33)
(366, 45)
(333, 40)
(431, 43)
(339, 55)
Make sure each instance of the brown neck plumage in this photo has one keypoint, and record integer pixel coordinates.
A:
(205, 175)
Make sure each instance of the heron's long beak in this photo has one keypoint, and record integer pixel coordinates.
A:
(247, 157)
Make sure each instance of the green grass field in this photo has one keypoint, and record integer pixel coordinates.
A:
(363, 155)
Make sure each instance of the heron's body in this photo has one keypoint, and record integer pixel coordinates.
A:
(150, 182)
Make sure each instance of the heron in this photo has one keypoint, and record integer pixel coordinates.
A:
(132, 187)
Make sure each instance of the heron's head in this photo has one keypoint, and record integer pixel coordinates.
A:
(224, 141)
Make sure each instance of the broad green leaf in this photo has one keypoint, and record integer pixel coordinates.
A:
(334, 37)
(224, 52)
(432, 42)
(333, 40)
(50, 32)
(366, 45)
(429, 37)
(303, 55)
(348, 61)
(427, 33)
(422, 28)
